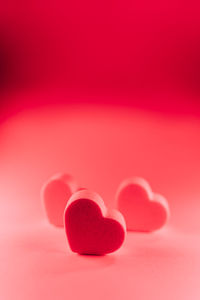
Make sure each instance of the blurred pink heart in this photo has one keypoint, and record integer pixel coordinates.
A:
(143, 210)
(55, 194)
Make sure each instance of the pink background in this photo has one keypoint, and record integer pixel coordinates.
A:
(100, 145)
(103, 91)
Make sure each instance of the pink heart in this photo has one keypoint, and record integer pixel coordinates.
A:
(143, 210)
(55, 194)
(90, 227)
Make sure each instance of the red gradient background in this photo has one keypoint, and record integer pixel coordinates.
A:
(103, 91)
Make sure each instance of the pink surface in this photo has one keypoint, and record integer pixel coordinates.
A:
(143, 210)
(90, 227)
(100, 146)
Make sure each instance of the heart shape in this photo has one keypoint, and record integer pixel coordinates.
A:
(55, 193)
(90, 227)
(143, 210)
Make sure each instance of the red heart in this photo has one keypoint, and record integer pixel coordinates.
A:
(55, 194)
(142, 209)
(89, 227)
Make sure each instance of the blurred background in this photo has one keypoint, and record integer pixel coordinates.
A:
(103, 90)
(136, 49)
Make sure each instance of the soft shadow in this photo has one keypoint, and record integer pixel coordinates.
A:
(47, 251)
(164, 243)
